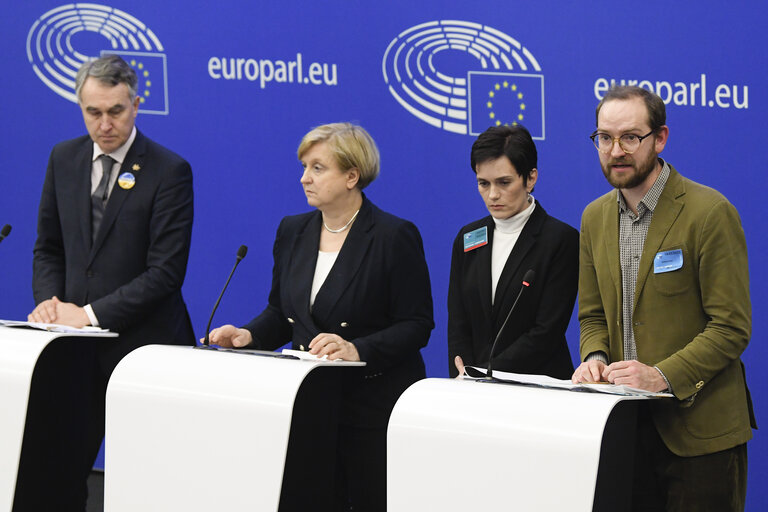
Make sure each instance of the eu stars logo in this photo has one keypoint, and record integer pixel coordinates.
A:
(498, 99)
(153, 84)
(462, 77)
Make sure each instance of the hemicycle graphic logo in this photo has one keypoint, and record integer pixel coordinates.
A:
(463, 77)
(65, 37)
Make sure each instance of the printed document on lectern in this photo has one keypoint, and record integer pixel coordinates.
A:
(88, 329)
(544, 381)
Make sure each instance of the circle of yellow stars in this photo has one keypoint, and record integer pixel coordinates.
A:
(143, 75)
(497, 88)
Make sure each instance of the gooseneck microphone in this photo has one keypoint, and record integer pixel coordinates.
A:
(241, 252)
(527, 280)
(5, 231)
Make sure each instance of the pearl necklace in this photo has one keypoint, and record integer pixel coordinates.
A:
(342, 228)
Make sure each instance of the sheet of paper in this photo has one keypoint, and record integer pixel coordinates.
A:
(301, 354)
(552, 383)
(54, 327)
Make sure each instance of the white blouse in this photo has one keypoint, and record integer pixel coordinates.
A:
(325, 261)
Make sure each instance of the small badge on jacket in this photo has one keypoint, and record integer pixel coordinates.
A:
(667, 261)
(475, 239)
(126, 181)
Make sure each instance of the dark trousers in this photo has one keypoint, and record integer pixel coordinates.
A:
(64, 428)
(663, 481)
(361, 475)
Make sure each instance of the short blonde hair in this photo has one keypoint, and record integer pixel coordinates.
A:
(352, 146)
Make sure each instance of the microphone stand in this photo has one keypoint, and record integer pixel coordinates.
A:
(241, 252)
(527, 280)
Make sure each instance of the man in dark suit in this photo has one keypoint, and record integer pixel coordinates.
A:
(114, 231)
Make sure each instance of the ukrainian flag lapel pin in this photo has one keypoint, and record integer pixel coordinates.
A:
(127, 180)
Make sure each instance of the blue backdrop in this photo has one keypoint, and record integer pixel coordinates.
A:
(232, 86)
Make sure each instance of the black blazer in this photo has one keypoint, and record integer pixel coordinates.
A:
(133, 272)
(533, 340)
(376, 296)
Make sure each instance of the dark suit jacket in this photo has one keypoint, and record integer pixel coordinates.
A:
(133, 272)
(533, 340)
(693, 323)
(377, 296)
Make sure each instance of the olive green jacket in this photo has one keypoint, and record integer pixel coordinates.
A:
(693, 323)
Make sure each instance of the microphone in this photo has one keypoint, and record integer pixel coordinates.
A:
(527, 280)
(5, 231)
(241, 252)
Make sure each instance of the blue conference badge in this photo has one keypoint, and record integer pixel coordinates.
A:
(476, 238)
(667, 261)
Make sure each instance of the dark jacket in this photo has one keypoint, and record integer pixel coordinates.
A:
(377, 296)
(533, 340)
(133, 272)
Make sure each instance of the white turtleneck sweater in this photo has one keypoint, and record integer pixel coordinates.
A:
(505, 236)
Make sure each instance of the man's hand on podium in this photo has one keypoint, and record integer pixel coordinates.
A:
(589, 371)
(635, 374)
(631, 373)
(229, 336)
(334, 346)
(54, 311)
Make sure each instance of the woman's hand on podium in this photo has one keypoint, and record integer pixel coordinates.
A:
(229, 336)
(334, 346)
(459, 362)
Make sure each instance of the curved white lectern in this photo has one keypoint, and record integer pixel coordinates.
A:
(469, 445)
(200, 430)
(20, 352)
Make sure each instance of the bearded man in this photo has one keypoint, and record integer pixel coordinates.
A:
(664, 306)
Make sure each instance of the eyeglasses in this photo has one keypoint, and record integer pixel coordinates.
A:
(629, 142)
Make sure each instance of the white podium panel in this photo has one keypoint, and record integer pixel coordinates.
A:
(20, 350)
(467, 445)
(198, 430)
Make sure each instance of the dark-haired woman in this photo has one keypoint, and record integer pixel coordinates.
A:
(491, 256)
